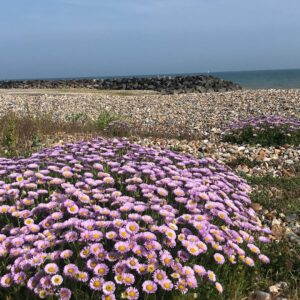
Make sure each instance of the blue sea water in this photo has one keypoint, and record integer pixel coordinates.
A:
(277, 79)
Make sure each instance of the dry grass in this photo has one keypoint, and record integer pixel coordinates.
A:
(77, 91)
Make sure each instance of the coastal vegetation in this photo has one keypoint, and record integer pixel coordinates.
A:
(198, 229)
(266, 131)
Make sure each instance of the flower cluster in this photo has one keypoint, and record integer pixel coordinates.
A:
(267, 130)
(259, 123)
(116, 220)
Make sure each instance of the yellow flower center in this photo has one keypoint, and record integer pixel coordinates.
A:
(149, 287)
(122, 248)
(131, 294)
(167, 260)
(167, 285)
(108, 288)
(7, 280)
(97, 283)
(132, 227)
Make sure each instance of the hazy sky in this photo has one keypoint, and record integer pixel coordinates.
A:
(69, 38)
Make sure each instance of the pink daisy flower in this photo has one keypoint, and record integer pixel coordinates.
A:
(51, 268)
(64, 294)
(108, 287)
(96, 283)
(70, 270)
(149, 287)
(132, 293)
(159, 276)
(219, 287)
(6, 280)
(166, 284)
(101, 270)
(219, 258)
(128, 279)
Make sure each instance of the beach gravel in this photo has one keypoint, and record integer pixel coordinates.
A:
(184, 115)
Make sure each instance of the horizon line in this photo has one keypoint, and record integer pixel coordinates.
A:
(144, 75)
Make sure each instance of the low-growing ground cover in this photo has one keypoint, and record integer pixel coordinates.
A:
(281, 197)
(111, 219)
(277, 194)
(267, 131)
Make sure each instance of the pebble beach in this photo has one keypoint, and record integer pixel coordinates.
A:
(201, 115)
(197, 118)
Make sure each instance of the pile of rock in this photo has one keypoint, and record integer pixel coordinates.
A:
(162, 84)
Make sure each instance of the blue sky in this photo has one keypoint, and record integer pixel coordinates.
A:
(69, 38)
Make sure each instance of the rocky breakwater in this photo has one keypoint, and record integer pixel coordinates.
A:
(162, 84)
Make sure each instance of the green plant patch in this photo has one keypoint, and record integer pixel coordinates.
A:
(266, 136)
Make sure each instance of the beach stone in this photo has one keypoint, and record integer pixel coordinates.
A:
(261, 155)
(291, 218)
(256, 206)
(259, 295)
(277, 231)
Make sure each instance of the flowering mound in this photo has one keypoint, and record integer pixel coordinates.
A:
(111, 219)
(270, 130)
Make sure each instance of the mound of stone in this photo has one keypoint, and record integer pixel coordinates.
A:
(162, 84)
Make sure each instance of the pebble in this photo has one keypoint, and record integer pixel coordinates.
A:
(259, 295)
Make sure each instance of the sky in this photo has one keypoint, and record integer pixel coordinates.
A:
(80, 38)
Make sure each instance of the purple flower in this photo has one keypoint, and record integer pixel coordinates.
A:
(6, 280)
(132, 293)
(122, 209)
(108, 288)
(64, 294)
(51, 268)
(149, 287)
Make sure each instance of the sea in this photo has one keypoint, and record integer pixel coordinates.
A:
(264, 79)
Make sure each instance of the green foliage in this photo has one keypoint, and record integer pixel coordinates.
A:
(176, 148)
(104, 119)
(9, 135)
(77, 118)
(266, 136)
(283, 195)
(36, 140)
(280, 193)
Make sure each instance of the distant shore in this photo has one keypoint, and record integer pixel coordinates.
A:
(161, 84)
